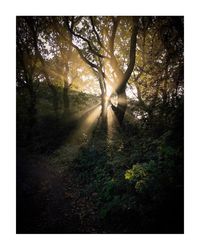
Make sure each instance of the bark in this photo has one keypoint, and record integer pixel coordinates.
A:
(121, 106)
(122, 99)
(103, 98)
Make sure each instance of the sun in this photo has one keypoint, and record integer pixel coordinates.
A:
(109, 91)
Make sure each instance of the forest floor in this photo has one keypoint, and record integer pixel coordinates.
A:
(50, 199)
(77, 178)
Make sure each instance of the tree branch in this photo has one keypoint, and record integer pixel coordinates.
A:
(74, 46)
(114, 30)
(93, 50)
(97, 35)
(132, 54)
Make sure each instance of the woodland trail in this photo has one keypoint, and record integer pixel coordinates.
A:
(49, 199)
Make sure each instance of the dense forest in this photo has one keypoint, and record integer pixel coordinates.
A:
(100, 132)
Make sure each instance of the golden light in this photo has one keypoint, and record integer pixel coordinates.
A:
(109, 91)
(107, 98)
(92, 117)
(86, 112)
(114, 100)
(86, 126)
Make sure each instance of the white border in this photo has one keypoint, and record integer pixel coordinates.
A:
(9, 10)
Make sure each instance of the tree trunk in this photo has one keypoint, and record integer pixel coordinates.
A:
(121, 106)
(122, 99)
(104, 102)
(33, 29)
(104, 105)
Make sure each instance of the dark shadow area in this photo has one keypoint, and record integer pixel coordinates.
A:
(41, 203)
(153, 203)
(99, 198)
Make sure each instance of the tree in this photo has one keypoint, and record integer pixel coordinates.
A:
(95, 41)
(157, 82)
(36, 28)
(27, 70)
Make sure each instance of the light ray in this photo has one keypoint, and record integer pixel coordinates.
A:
(84, 130)
(109, 90)
(82, 114)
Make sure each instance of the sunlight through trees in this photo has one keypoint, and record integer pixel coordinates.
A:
(100, 107)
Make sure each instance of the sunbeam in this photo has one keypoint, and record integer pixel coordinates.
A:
(85, 113)
(99, 124)
(87, 124)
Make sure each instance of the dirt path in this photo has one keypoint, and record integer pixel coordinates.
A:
(48, 196)
(50, 200)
